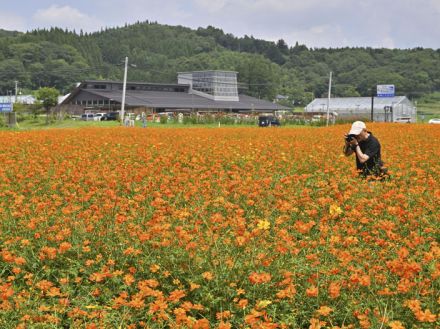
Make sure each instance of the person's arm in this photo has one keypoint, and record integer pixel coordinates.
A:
(360, 155)
(371, 151)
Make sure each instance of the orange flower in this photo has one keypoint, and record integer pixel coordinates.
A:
(176, 295)
(288, 292)
(312, 291)
(324, 311)
(129, 279)
(316, 324)
(224, 325)
(201, 324)
(193, 286)
(158, 205)
(158, 305)
(242, 303)
(19, 260)
(154, 268)
(223, 315)
(207, 276)
(64, 246)
(259, 278)
(334, 290)
(396, 325)
(44, 285)
(425, 316)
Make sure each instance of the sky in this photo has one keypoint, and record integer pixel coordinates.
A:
(315, 23)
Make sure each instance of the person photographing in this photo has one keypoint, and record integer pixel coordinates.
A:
(366, 147)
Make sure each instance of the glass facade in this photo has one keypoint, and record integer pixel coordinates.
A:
(220, 85)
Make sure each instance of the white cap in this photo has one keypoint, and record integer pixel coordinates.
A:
(357, 127)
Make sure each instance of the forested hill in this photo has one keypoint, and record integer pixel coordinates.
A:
(59, 58)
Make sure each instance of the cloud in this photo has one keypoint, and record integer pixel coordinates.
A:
(66, 17)
(211, 6)
(315, 23)
(12, 22)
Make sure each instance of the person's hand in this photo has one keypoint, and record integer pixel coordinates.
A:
(353, 142)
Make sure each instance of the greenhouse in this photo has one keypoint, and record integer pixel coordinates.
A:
(385, 109)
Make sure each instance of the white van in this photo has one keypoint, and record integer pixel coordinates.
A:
(403, 120)
(87, 117)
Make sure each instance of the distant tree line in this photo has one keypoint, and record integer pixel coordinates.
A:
(60, 58)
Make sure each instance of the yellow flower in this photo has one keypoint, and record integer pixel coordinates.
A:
(154, 268)
(263, 224)
(335, 210)
(263, 303)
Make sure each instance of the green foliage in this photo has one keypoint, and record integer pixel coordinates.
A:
(163, 119)
(47, 96)
(60, 58)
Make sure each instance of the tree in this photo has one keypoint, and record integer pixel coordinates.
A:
(48, 97)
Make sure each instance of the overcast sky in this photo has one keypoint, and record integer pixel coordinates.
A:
(315, 23)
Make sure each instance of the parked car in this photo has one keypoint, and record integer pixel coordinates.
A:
(403, 120)
(98, 116)
(268, 121)
(434, 121)
(111, 116)
(87, 117)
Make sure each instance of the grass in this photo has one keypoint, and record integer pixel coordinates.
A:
(429, 107)
(40, 123)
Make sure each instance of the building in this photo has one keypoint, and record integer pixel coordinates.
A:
(215, 85)
(385, 109)
(200, 91)
(22, 99)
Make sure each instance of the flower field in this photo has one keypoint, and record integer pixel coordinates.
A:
(218, 228)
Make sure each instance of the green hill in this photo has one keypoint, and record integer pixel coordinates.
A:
(60, 58)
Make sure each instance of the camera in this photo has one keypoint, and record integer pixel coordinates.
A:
(349, 137)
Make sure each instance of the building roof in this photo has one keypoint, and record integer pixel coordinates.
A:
(179, 100)
(355, 102)
(168, 99)
(113, 82)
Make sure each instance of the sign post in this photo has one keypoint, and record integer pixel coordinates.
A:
(382, 91)
(386, 90)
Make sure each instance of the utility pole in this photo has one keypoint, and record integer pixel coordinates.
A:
(16, 90)
(372, 104)
(124, 87)
(328, 99)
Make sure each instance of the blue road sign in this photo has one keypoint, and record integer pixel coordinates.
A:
(5, 107)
